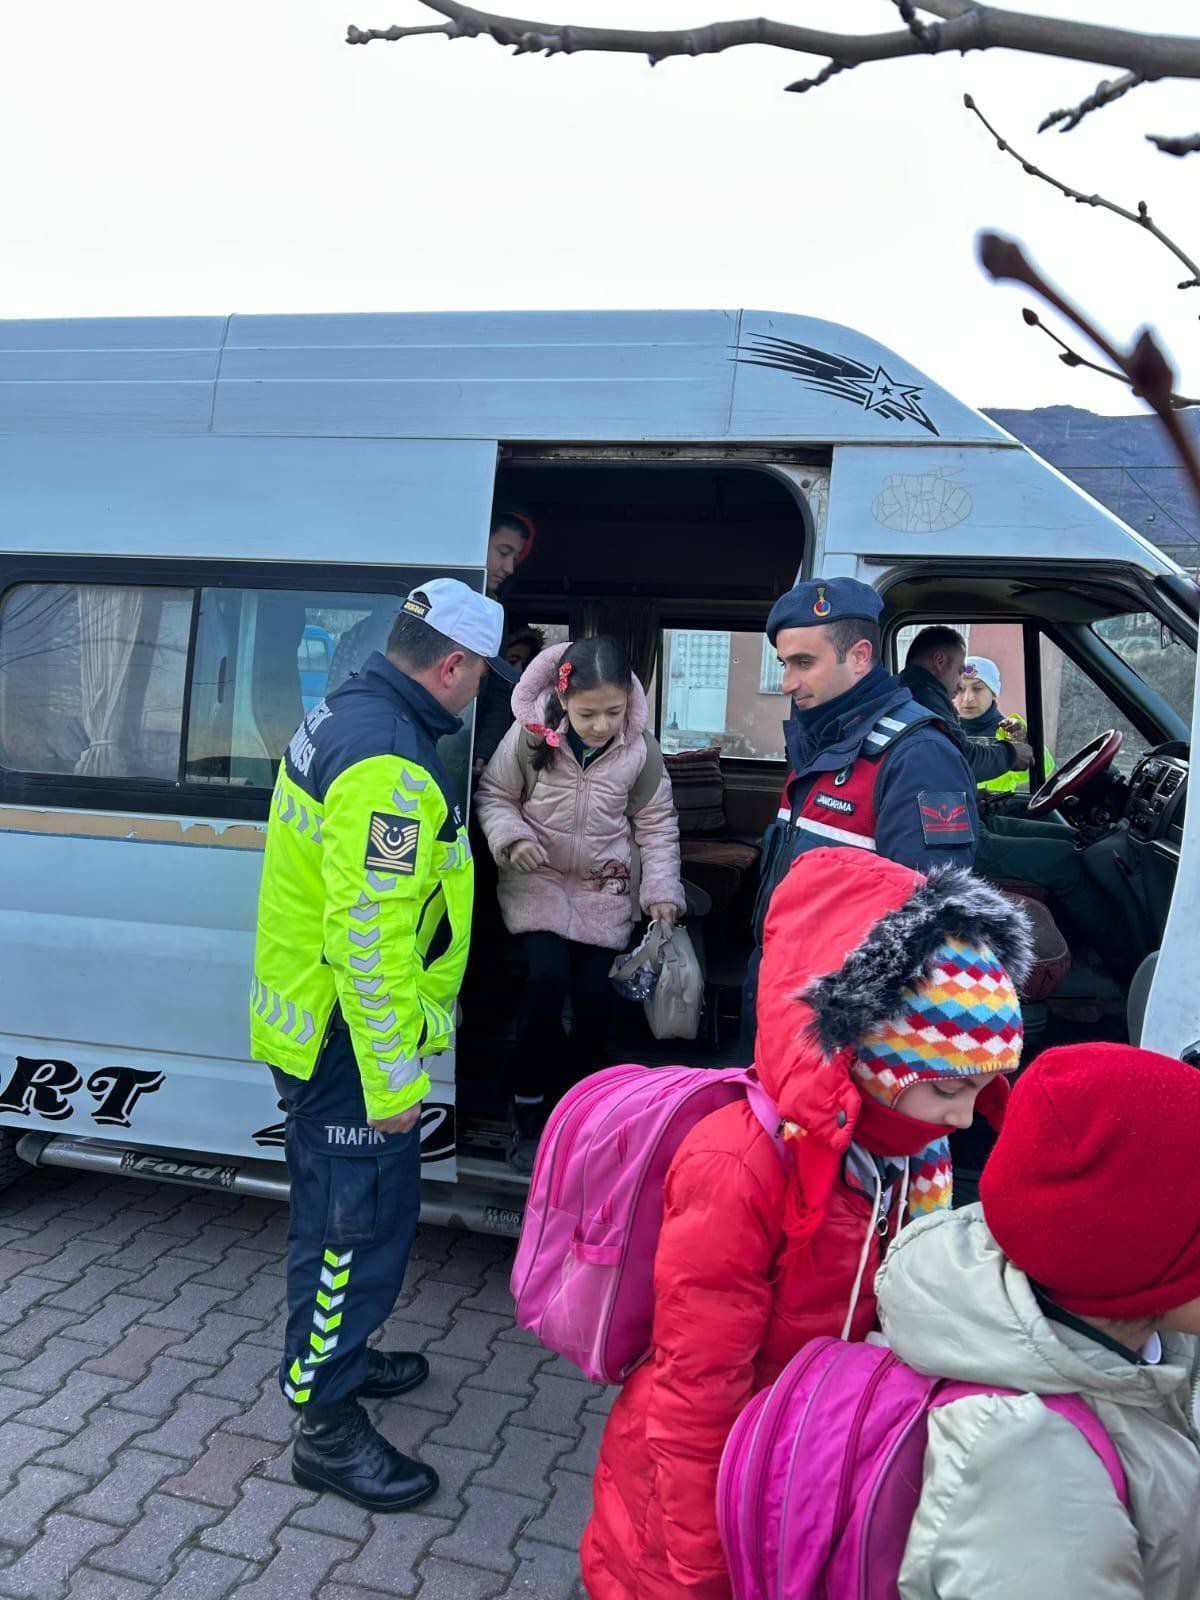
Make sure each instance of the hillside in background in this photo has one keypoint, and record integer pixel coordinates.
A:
(1125, 463)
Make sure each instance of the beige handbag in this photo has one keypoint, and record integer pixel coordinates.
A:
(666, 963)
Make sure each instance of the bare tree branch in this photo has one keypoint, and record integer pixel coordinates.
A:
(1104, 94)
(1187, 146)
(1141, 217)
(1145, 367)
(1072, 358)
(922, 32)
(966, 26)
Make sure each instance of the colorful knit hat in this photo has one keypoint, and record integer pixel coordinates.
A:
(961, 1018)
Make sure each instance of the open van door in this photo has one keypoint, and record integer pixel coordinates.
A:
(1172, 1019)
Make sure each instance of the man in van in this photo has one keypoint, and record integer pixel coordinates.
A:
(364, 920)
(871, 769)
(932, 673)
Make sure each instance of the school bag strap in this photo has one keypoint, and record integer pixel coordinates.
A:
(526, 745)
(1073, 1408)
(645, 785)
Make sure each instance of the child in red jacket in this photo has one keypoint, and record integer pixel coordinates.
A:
(886, 1010)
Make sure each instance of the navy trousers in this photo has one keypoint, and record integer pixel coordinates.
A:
(356, 1195)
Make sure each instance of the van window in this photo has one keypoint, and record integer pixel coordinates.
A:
(92, 679)
(1075, 710)
(263, 658)
(1155, 654)
(719, 690)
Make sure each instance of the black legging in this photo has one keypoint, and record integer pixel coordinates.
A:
(546, 1062)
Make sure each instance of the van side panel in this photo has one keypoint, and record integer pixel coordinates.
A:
(410, 500)
(940, 501)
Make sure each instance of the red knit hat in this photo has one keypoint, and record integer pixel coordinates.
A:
(1092, 1188)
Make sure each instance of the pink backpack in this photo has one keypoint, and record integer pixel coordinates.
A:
(821, 1475)
(583, 1278)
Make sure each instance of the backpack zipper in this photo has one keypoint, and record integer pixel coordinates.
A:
(841, 1505)
(779, 1402)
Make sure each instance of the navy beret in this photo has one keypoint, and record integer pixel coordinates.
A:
(825, 600)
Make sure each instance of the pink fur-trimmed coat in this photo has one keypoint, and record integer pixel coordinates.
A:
(579, 820)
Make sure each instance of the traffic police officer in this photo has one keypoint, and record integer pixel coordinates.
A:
(870, 768)
(364, 920)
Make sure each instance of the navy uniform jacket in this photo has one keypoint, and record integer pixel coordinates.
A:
(987, 756)
(918, 765)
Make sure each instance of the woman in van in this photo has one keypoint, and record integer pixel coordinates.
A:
(886, 1013)
(555, 817)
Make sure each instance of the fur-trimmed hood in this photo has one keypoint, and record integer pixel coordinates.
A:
(845, 934)
(540, 677)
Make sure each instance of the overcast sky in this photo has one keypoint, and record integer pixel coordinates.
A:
(238, 156)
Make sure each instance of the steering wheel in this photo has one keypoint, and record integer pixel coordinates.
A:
(1075, 775)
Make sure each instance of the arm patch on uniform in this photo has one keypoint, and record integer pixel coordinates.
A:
(945, 817)
(392, 843)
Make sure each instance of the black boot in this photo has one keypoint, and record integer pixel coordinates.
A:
(528, 1119)
(338, 1450)
(392, 1372)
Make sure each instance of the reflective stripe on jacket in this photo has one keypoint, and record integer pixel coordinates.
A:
(1014, 781)
(366, 891)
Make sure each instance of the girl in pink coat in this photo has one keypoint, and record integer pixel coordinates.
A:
(564, 847)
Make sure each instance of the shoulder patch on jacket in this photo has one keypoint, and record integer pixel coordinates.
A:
(392, 843)
(945, 817)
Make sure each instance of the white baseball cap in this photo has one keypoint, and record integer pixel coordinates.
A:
(465, 616)
(985, 670)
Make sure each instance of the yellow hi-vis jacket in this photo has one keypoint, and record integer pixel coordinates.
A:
(367, 885)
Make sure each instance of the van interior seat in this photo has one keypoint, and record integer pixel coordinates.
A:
(1051, 953)
(712, 857)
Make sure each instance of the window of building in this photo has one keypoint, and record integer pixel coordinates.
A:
(770, 677)
(714, 694)
(92, 679)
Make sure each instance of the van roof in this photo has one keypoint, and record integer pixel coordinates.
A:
(562, 376)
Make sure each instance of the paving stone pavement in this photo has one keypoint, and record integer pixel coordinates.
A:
(144, 1445)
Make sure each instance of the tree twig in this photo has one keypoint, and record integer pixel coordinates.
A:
(1146, 368)
(1188, 145)
(967, 27)
(1072, 358)
(1104, 94)
(1141, 217)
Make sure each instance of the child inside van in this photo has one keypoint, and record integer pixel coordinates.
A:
(886, 1013)
(1078, 1273)
(555, 817)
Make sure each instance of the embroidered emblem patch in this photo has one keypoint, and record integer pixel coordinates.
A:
(834, 802)
(392, 844)
(417, 605)
(945, 816)
(821, 606)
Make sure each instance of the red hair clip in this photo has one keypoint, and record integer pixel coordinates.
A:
(564, 677)
(540, 731)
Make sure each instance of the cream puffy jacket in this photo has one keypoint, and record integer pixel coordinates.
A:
(1015, 1502)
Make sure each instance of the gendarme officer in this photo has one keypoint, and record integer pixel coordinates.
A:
(870, 768)
(364, 920)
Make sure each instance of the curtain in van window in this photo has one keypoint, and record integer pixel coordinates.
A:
(110, 620)
(632, 623)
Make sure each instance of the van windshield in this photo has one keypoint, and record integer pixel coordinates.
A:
(1160, 659)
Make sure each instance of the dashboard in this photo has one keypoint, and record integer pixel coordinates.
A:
(1157, 794)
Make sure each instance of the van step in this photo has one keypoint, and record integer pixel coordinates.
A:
(467, 1204)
